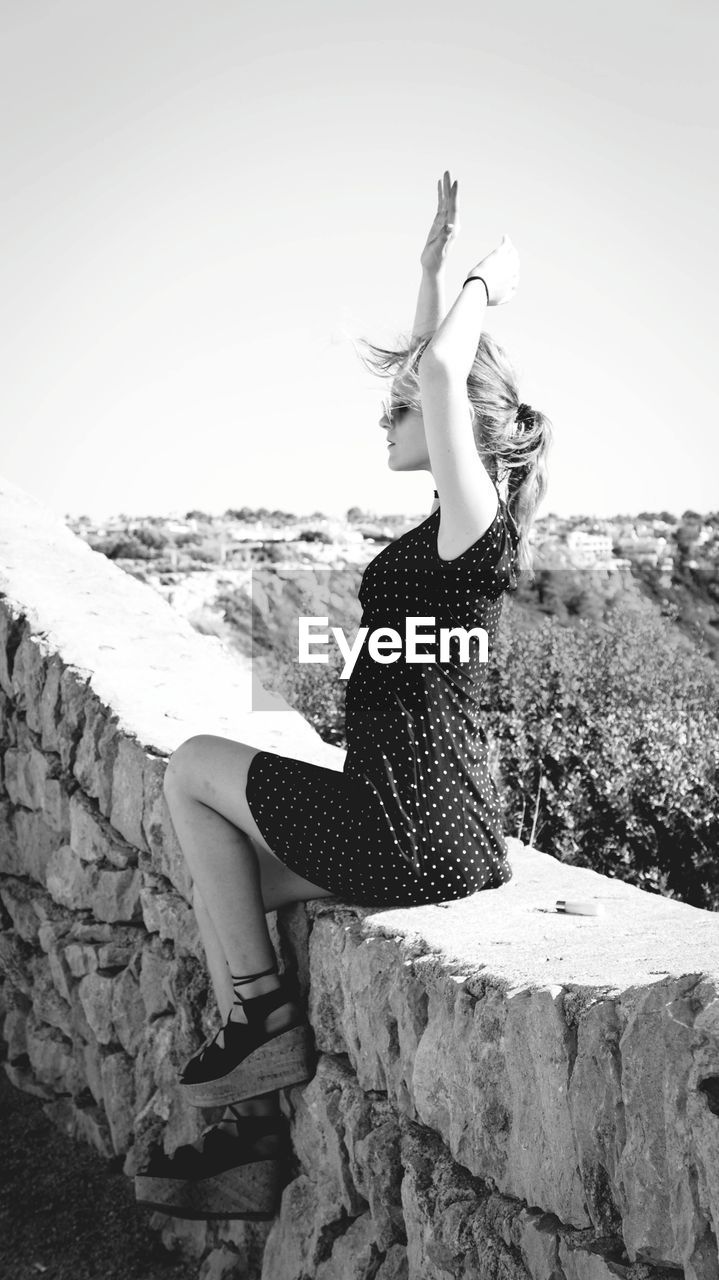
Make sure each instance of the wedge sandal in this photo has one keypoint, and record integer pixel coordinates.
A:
(231, 1175)
(252, 1060)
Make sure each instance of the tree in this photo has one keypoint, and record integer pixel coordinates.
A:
(313, 535)
(152, 538)
(239, 513)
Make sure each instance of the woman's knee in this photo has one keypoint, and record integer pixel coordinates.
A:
(183, 766)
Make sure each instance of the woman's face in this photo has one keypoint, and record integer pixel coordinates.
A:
(406, 441)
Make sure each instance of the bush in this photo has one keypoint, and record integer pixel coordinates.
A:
(124, 547)
(314, 535)
(313, 689)
(271, 553)
(152, 538)
(616, 729)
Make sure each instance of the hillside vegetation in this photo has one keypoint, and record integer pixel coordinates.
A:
(603, 731)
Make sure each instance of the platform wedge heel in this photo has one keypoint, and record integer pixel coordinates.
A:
(230, 1175)
(252, 1060)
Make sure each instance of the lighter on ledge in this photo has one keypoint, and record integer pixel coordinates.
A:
(576, 908)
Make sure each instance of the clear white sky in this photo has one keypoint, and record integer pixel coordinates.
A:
(203, 202)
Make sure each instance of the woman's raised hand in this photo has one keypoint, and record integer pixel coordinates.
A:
(445, 227)
(500, 270)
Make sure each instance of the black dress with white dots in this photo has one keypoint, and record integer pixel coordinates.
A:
(414, 817)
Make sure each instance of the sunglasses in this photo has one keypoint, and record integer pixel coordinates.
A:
(393, 412)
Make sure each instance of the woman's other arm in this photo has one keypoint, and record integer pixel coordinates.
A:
(430, 304)
(431, 301)
(455, 341)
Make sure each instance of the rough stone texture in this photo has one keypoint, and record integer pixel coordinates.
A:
(92, 839)
(524, 1073)
(223, 1264)
(107, 894)
(501, 1091)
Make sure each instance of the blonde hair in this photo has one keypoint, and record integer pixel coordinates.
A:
(512, 439)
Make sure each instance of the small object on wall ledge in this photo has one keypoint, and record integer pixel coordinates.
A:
(577, 908)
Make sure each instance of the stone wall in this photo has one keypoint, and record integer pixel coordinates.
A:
(501, 1091)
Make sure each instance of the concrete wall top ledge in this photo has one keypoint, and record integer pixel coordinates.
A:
(164, 680)
(514, 936)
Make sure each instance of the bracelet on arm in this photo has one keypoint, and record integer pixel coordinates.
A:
(484, 282)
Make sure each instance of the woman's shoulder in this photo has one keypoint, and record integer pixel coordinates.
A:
(488, 566)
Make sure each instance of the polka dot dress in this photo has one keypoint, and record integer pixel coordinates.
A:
(414, 817)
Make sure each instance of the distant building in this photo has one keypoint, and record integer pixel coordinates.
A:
(642, 548)
(591, 550)
(593, 544)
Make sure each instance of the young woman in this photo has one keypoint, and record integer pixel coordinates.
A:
(414, 817)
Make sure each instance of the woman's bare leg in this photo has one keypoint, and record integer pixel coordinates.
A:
(237, 878)
(216, 963)
(268, 1104)
(205, 785)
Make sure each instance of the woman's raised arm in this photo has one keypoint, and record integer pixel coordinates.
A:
(467, 494)
(444, 229)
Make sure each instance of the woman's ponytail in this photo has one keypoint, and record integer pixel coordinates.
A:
(527, 477)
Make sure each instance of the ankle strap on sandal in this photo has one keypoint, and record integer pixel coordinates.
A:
(250, 977)
(256, 1008)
